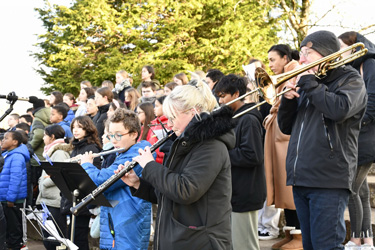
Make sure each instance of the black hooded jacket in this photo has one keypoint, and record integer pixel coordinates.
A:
(193, 188)
(100, 118)
(324, 124)
(247, 158)
(366, 140)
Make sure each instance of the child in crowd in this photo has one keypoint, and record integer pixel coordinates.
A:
(169, 87)
(13, 185)
(69, 99)
(57, 150)
(132, 99)
(84, 95)
(85, 140)
(131, 216)
(146, 115)
(157, 125)
(58, 115)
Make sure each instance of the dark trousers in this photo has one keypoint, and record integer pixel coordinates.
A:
(3, 227)
(13, 217)
(81, 233)
(321, 214)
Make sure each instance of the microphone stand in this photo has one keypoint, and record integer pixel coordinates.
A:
(11, 101)
(12, 98)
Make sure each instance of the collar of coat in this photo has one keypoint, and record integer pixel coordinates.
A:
(210, 126)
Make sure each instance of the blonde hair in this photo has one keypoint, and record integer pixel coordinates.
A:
(195, 95)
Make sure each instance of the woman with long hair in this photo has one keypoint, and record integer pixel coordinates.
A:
(359, 200)
(281, 59)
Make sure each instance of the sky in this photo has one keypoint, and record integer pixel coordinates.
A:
(19, 25)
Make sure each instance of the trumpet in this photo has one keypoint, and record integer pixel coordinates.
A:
(77, 158)
(267, 84)
(111, 180)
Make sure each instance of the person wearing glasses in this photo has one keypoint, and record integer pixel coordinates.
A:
(127, 225)
(193, 186)
(323, 117)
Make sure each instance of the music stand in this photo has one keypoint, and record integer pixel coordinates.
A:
(74, 183)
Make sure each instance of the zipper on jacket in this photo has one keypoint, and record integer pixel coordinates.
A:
(162, 202)
(326, 131)
(298, 142)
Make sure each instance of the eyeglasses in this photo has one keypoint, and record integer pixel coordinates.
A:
(305, 53)
(116, 136)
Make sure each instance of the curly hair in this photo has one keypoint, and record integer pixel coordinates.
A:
(89, 127)
(129, 120)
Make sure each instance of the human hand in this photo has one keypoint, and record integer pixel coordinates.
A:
(87, 157)
(130, 178)
(144, 157)
(292, 93)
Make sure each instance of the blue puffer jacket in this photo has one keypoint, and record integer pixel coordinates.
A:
(13, 178)
(131, 217)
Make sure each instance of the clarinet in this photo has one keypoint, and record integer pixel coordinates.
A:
(111, 180)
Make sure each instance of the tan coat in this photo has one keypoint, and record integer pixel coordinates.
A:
(275, 150)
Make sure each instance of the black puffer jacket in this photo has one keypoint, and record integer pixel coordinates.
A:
(100, 118)
(194, 187)
(324, 125)
(247, 158)
(366, 140)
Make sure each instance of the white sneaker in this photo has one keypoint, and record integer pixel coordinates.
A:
(367, 247)
(352, 246)
(266, 236)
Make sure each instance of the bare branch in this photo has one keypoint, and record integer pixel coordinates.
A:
(333, 7)
(365, 28)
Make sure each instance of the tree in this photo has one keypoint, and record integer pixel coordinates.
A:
(93, 39)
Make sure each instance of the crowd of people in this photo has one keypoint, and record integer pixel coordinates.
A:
(219, 182)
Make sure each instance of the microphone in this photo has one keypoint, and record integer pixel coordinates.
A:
(12, 97)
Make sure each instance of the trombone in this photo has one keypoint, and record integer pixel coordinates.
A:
(267, 85)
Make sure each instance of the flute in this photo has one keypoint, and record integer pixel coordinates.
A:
(111, 180)
(76, 158)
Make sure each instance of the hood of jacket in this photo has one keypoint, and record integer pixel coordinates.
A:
(43, 116)
(210, 126)
(22, 149)
(370, 54)
(253, 112)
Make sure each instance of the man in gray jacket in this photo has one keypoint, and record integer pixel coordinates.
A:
(323, 116)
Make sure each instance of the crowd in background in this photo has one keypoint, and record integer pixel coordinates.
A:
(121, 115)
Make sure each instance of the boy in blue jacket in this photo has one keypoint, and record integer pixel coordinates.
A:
(58, 116)
(13, 185)
(127, 225)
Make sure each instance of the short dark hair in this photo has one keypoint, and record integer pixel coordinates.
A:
(23, 126)
(62, 108)
(148, 84)
(27, 117)
(18, 136)
(231, 84)
(170, 85)
(55, 130)
(215, 75)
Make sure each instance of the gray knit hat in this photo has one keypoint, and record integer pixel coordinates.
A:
(324, 42)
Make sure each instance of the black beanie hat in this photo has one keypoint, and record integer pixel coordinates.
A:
(324, 42)
(37, 103)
